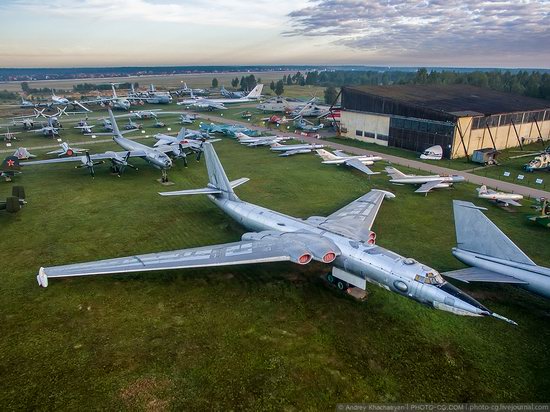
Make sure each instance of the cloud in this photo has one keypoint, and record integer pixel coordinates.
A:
(430, 28)
(231, 13)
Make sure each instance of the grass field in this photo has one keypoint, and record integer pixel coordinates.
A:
(265, 337)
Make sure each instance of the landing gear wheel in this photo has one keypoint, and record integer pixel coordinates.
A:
(341, 285)
(164, 177)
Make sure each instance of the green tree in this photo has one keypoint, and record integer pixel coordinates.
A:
(272, 85)
(289, 80)
(235, 82)
(279, 88)
(214, 83)
(25, 87)
(330, 95)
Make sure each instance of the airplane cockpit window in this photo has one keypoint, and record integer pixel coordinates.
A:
(430, 278)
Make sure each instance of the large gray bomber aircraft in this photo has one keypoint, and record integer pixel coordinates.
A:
(344, 240)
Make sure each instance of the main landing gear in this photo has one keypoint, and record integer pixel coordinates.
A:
(339, 283)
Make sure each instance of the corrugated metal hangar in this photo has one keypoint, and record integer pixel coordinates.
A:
(460, 118)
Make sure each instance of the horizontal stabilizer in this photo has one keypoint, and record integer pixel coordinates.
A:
(475, 274)
(360, 166)
(238, 182)
(203, 191)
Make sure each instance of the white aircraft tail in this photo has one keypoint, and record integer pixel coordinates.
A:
(394, 173)
(114, 90)
(476, 233)
(181, 134)
(326, 155)
(482, 190)
(256, 92)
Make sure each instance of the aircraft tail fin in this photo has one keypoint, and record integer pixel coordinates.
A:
(482, 190)
(181, 134)
(114, 124)
(256, 92)
(394, 173)
(218, 183)
(326, 155)
(10, 163)
(476, 233)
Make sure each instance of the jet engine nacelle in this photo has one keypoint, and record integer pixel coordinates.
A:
(371, 240)
(319, 248)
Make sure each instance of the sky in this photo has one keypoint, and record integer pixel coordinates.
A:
(465, 33)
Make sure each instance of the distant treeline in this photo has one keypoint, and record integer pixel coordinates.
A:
(527, 83)
(88, 87)
(7, 95)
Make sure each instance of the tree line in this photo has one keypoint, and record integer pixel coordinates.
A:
(523, 82)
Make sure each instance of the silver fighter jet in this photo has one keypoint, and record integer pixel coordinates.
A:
(427, 183)
(492, 255)
(343, 239)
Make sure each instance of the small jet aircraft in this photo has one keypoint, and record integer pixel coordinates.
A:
(432, 153)
(48, 131)
(23, 154)
(253, 141)
(14, 203)
(9, 168)
(66, 150)
(84, 127)
(145, 114)
(9, 136)
(358, 162)
(186, 118)
(293, 149)
(493, 257)
(500, 198)
(427, 182)
(306, 125)
(131, 125)
(344, 240)
(26, 104)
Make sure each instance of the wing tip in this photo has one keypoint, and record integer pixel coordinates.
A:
(42, 278)
(387, 195)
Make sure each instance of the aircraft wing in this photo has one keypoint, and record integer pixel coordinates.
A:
(292, 152)
(237, 253)
(98, 156)
(360, 166)
(426, 187)
(474, 274)
(355, 220)
(511, 202)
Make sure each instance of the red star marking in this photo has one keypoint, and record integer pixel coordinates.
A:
(11, 163)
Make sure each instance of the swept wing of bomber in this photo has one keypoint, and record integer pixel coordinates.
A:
(358, 162)
(343, 239)
(491, 255)
(427, 183)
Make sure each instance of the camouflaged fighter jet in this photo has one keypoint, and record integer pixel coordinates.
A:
(343, 239)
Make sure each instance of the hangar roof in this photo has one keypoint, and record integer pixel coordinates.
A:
(457, 100)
